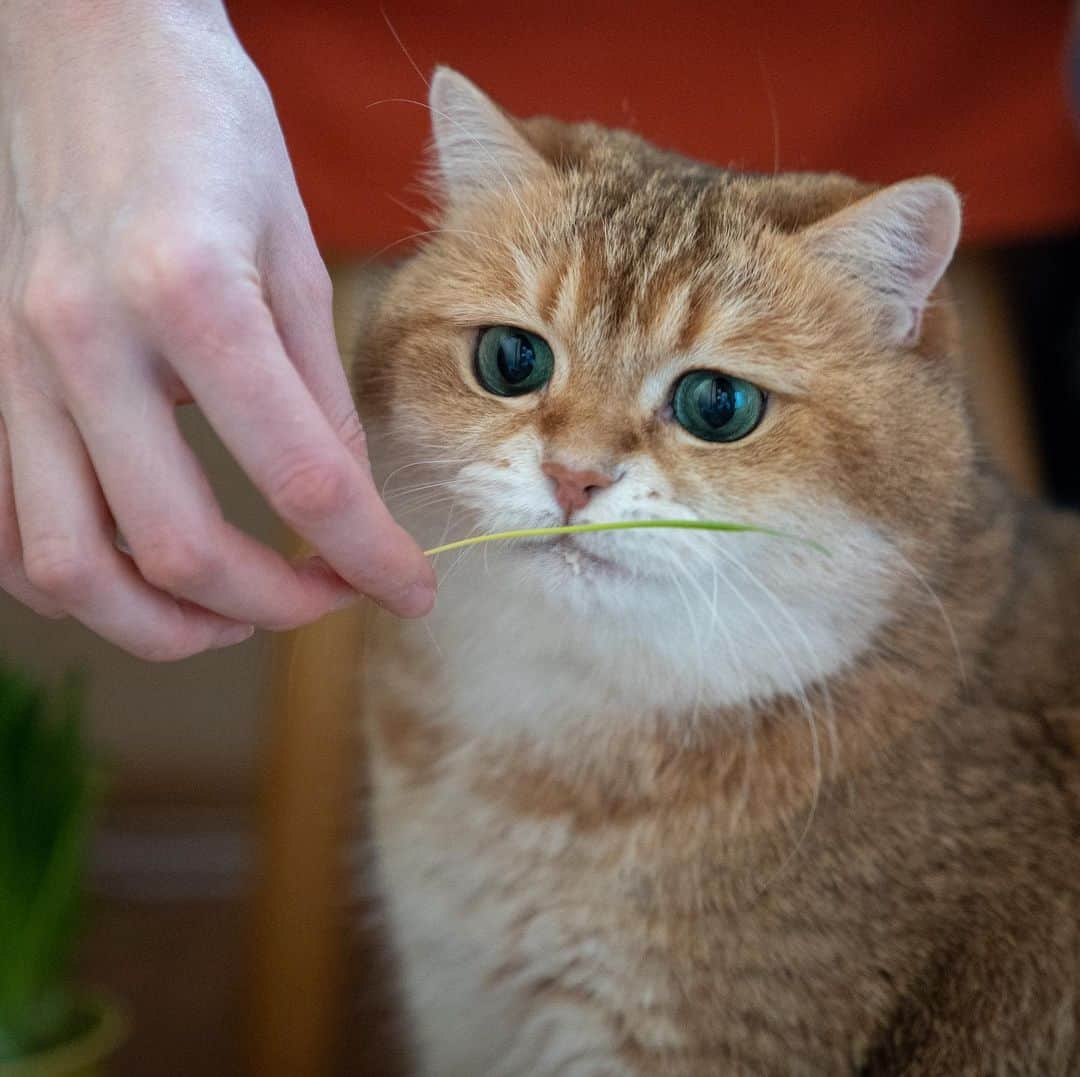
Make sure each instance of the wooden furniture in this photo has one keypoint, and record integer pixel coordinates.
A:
(298, 941)
(299, 932)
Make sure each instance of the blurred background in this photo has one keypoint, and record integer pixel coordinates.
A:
(978, 93)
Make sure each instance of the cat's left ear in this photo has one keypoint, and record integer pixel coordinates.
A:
(478, 147)
(897, 242)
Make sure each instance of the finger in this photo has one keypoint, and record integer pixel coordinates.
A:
(12, 578)
(166, 510)
(68, 551)
(300, 295)
(222, 341)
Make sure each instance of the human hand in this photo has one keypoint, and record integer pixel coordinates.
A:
(156, 251)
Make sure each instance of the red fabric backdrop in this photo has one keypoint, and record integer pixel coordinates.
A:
(974, 90)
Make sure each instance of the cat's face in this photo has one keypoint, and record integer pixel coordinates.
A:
(630, 338)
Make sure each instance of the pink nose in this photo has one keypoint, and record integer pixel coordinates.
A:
(574, 486)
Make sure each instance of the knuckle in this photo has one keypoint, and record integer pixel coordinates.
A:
(310, 490)
(162, 268)
(21, 591)
(14, 583)
(61, 307)
(58, 569)
(175, 563)
(350, 432)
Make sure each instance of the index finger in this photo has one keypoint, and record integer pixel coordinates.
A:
(218, 334)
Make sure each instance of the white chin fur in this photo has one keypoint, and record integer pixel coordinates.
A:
(537, 640)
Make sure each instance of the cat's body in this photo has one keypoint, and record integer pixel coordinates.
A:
(645, 808)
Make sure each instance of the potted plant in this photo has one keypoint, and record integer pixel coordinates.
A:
(50, 791)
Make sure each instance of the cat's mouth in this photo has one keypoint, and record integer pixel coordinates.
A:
(580, 561)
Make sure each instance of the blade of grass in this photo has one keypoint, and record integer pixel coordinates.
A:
(624, 525)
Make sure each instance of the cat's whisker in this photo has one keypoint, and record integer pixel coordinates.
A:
(435, 461)
(823, 681)
(397, 496)
(773, 116)
(449, 520)
(420, 213)
(739, 807)
(404, 495)
(420, 509)
(401, 45)
(458, 560)
(423, 233)
(830, 711)
(422, 479)
(935, 598)
(434, 642)
(412, 498)
(803, 698)
(699, 645)
(713, 622)
(462, 129)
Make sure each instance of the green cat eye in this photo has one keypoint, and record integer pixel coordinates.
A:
(716, 407)
(511, 362)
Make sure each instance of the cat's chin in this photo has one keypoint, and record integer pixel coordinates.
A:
(566, 555)
(580, 581)
(566, 566)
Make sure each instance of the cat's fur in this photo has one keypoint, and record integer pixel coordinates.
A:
(736, 807)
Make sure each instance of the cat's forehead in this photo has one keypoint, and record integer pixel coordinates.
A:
(627, 278)
(634, 271)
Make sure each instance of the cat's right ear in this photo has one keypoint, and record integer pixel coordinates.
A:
(897, 243)
(478, 148)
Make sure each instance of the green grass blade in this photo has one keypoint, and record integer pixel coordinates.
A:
(624, 525)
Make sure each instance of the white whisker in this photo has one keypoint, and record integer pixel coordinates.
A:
(533, 222)
(448, 460)
(801, 695)
(935, 598)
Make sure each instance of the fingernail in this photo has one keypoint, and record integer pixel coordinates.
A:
(229, 637)
(347, 599)
(416, 600)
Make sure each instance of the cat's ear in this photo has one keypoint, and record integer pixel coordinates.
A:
(477, 146)
(898, 242)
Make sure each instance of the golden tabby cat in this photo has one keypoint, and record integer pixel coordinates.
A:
(682, 803)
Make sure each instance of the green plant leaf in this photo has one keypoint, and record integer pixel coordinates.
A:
(50, 790)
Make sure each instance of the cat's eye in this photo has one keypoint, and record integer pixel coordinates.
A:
(511, 362)
(716, 407)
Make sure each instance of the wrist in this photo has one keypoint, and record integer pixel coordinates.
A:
(34, 24)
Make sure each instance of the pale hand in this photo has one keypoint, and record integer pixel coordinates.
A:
(155, 251)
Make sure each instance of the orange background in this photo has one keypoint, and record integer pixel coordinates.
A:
(974, 91)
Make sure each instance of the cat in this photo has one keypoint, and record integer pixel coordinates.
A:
(684, 803)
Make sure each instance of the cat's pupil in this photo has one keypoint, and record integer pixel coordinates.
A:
(716, 401)
(516, 357)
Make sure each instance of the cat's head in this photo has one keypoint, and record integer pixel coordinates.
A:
(599, 331)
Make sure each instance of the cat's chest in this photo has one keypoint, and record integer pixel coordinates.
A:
(508, 932)
(527, 943)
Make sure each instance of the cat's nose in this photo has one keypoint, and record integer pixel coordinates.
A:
(574, 486)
